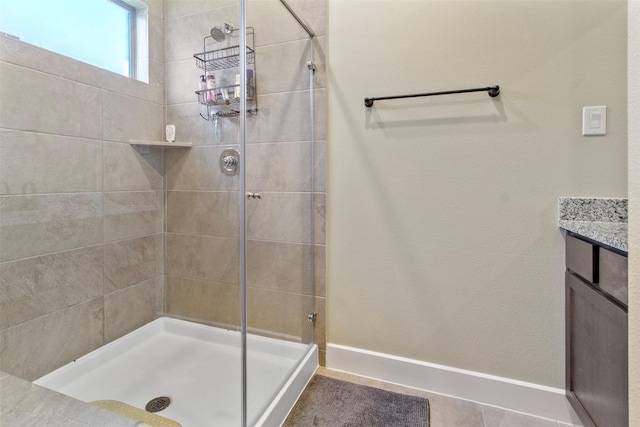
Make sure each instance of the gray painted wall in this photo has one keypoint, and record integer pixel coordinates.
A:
(443, 239)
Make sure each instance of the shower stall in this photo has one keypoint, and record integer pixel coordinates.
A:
(186, 276)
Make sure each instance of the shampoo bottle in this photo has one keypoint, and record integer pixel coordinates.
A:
(236, 89)
(211, 85)
(202, 86)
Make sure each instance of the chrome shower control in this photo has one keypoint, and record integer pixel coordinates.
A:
(230, 161)
(251, 195)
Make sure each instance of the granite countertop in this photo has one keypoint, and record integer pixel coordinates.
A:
(24, 404)
(601, 220)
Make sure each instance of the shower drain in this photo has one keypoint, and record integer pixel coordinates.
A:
(157, 404)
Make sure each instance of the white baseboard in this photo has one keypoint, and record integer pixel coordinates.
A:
(528, 398)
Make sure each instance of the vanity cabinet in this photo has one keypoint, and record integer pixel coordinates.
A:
(596, 333)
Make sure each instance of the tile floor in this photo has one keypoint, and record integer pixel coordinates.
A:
(451, 412)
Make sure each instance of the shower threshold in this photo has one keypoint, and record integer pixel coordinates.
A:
(198, 367)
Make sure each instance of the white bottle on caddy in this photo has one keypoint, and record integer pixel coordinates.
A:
(236, 89)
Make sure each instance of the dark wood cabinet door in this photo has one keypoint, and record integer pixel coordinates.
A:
(613, 275)
(582, 258)
(597, 359)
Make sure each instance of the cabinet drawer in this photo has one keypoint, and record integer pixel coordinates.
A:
(581, 258)
(613, 275)
(597, 360)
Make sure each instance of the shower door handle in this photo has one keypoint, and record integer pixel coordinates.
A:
(256, 195)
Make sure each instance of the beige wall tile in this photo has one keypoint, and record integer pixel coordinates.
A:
(313, 13)
(285, 117)
(132, 214)
(131, 168)
(319, 205)
(35, 225)
(283, 67)
(197, 169)
(32, 57)
(192, 128)
(127, 118)
(320, 270)
(35, 348)
(320, 117)
(32, 287)
(41, 163)
(77, 111)
(185, 30)
(131, 261)
(280, 266)
(320, 61)
(179, 8)
(127, 309)
(152, 92)
(284, 217)
(203, 213)
(322, 357)
(207, 302)
(279, 166)
(279, 314)
(156, 29)
(320, 328)
(282, 117)
(66, 154)
(281, 27)
(182, 79)
(214, 259)
(320, 166)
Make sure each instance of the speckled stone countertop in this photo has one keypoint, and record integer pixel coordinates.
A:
(601, 220)
(25, 404)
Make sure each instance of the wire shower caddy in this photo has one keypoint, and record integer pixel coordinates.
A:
(226, 97)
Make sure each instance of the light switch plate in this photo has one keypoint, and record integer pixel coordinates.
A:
(594, 121)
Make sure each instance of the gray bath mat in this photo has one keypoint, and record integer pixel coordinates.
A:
(327, 402)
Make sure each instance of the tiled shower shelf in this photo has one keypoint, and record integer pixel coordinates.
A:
(162, 144)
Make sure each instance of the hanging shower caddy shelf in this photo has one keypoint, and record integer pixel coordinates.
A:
(226, 97)
(221, 59)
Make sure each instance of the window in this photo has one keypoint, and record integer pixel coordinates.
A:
(100, 32)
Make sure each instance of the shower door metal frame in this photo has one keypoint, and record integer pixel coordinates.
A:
(242, 207)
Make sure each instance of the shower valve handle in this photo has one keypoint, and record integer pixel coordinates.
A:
(251, 195)
(229, 161)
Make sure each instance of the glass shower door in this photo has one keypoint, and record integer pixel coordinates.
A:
(203, 201)
(279, 204)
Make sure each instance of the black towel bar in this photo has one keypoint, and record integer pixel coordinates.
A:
(493, 92)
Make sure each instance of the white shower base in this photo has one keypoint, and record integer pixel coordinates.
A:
(199, 367)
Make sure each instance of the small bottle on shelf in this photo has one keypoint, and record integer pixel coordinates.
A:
(202, 86)
(236, 89)
(211, 86)
(250, 84)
